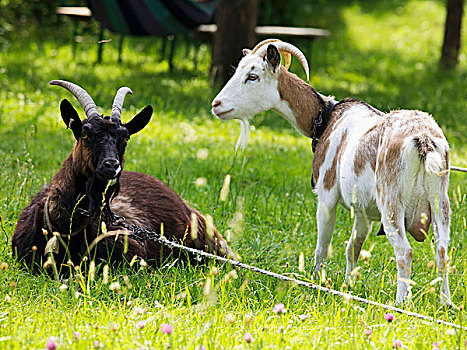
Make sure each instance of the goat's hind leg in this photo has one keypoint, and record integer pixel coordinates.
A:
(395, 232)
(360, 230)
(441, 214)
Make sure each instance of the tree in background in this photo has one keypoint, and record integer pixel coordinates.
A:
(452, 33)
(236, 21)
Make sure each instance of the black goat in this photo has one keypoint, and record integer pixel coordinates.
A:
(64, 218)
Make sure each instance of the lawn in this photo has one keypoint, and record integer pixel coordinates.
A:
(385, 53)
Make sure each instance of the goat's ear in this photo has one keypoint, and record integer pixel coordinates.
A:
(140, 120)
(71, 118)
(274, 57)
(246, 52)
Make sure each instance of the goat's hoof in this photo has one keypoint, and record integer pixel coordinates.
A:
(317, 277)
(400, 302)
(447, 303)
(350, 279)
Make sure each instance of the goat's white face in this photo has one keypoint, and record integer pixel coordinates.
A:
(252, 89)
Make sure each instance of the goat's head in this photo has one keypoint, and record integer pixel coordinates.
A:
(100, 140)
(253, 87)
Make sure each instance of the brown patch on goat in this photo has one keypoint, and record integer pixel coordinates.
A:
(409, 254)
(331, 173)
(404, 262)
(446, 160)
(408, 259)
(330, 177)
(318, 159)
(393, 156)
(442, 260)
(367, 150)
(304, 108)
(401, 263)
(394, 151)
(82, 158)
(380, 159)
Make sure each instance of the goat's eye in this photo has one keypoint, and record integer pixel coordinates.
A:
(251, 77)
(127, 139)
(84, 136)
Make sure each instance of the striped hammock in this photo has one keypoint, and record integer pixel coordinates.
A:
(152, 17)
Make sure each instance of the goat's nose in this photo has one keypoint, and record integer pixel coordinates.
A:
(111, 164)
(216, 103)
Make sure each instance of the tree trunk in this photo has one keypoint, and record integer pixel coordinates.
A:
(236, 22)
(452, 33)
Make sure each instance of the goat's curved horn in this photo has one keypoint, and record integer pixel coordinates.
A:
(81, 95)
(287, 55)
(284, 47)
(262, 43)
(118, 102)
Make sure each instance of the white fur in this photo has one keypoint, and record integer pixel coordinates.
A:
(434, 163)
(244, 134)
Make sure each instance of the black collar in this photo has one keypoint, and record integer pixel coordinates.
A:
(320, 122)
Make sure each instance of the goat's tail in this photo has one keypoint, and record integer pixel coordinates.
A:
(434, 155)
(434, 163)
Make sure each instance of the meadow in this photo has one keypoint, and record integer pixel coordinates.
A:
(385, 53)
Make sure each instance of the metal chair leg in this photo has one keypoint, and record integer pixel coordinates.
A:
(100, 47)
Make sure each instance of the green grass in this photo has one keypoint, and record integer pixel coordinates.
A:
(386, 54)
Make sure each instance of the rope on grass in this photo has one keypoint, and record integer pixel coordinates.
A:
(142, 234)
(458, 168)
(346, 296)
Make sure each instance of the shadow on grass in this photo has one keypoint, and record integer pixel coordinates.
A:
(385, 78)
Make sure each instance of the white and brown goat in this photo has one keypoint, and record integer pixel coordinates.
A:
(390, 167)
(64, 218)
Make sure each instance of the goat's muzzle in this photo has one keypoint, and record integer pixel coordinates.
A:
(220, 111)
(110, 169)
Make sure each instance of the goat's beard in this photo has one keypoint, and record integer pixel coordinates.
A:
(244, 134)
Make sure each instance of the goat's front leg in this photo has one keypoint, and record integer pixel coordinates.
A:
(395, 232)
(360, 230)
(326, 218)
